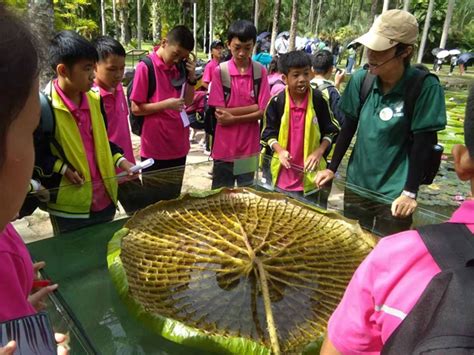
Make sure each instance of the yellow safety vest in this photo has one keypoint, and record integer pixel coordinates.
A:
(75, 200)
(312, 137)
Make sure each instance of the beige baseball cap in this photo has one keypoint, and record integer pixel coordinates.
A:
(389, 29)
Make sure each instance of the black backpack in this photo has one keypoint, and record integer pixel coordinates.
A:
(136, 122)
(412, 92)
(442, 321)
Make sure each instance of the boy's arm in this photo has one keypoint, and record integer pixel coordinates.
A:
(191, 81)
(226, 118)
(139, 105)
(271, 124)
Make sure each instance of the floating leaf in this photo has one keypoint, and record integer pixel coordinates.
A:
(246, 270)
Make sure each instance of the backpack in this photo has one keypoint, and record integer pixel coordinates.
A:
(136, 122)
(442, 321)
(210, 121)
(412, 92)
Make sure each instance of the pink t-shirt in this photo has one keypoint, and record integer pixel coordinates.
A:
(82, 115)
(118, 129)
(292, 179)
(242, 139)
(209, 70)
(385, 288)
(16, 276)
(276, 83)
(164, 136)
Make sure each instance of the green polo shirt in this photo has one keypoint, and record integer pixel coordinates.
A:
(379, 161)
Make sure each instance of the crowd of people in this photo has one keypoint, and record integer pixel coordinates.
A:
(294, 116)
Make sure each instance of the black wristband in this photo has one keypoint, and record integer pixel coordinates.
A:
(192, 83)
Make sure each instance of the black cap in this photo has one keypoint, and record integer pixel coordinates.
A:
(216, 43)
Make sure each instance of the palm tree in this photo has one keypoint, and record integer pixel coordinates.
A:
(41, 16)
(318, 18)
(293, 26)
(406, 5)
(139, 24)
(276, 19)
(123, 15)
(114, 18)
(385, 5)
(102, 17)
(426, 28)
(447, 22)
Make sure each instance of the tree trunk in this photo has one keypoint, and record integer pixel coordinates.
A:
(204, 32)
(123, 16)
(406, 5)
(154, 22)
(195, 26)
(276, 19)
(317, 19)
(385, 5)
(139, 24)
(352, 11)
(211, 28)
(426, 28)
(373, 8)
(114, 18)
(311, 15)
(102, 18)
(41, 18)
(447, 22)
(293, 26)
(255, 21)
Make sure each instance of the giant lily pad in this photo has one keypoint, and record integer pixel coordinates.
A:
(237, 271)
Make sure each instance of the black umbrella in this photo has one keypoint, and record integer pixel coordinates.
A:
(263, 35)
(466, 58)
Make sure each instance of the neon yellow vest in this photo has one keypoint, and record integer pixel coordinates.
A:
(312, 137)
(75, 200)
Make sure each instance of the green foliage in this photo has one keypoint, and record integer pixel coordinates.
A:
(82, 16)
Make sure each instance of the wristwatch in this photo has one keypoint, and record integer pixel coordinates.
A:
(409, 194)
(192, 82)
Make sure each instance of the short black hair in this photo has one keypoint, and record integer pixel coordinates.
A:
(244, 30)
(322, 61)
(293, 60)
(106, 46)
(469, 123)
(68, 48)
(181, 36)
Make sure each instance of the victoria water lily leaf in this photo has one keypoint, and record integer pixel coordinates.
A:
(241, 271)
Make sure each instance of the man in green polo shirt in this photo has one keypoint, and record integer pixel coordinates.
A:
(390, 148)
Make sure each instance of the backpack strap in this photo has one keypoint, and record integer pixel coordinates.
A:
(324, 86)
(225, 79)
(413, 91)
(257, 78)
(450, 244)
(151, 76)
(365, 88)
(48, 123)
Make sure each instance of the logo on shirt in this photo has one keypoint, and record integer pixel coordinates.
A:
(386, 114)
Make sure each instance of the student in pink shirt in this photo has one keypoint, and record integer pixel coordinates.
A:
(108, 80)
(390, 281)
(237, 132)
(298, 128)
(275, 78)
(165, 132)
(79, 159)
(19, 117)
(216, 57)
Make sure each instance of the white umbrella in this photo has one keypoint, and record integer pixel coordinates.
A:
(454, 52)
(443, 54)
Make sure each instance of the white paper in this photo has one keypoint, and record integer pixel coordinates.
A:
(183, 114)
